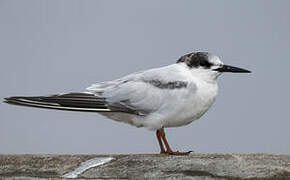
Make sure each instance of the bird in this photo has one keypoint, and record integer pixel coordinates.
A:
(170, 96)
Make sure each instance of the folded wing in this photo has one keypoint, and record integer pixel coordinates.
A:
(140, 93)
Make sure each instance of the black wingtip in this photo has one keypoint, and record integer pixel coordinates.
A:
(10, 100)
(7, 99)
(70, 102)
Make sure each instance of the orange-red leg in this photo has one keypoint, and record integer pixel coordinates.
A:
(168, 149)
(162, 150)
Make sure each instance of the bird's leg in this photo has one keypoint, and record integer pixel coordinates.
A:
(168, 149)
(162, 150)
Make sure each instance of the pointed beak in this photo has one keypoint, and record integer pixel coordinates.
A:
(232, 69)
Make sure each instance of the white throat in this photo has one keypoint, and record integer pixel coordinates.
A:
(206, 75)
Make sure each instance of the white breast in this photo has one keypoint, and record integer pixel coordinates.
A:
(195, 106)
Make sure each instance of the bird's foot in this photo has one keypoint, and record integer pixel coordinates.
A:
(177, 153)
(163, 152)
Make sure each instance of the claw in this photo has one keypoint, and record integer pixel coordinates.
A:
(178, 153)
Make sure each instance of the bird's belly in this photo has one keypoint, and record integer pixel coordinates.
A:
(187, 116)
(131, 119)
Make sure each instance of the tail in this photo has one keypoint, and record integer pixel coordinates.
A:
(71, 102)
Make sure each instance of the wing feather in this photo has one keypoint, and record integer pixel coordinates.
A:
(140, 93)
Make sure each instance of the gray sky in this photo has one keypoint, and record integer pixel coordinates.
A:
(49, 47)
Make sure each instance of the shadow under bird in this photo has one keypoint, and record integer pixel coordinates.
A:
(169, 96)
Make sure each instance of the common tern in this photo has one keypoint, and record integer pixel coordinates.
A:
(169, 96)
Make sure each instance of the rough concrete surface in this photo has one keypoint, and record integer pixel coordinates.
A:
(147, 166)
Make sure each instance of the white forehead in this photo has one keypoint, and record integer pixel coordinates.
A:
(214, 59)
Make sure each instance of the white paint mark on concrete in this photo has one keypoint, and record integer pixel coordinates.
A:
(87, 165)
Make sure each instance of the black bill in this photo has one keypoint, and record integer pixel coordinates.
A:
(226, 68)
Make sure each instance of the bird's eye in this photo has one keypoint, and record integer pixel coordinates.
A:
(205, 64)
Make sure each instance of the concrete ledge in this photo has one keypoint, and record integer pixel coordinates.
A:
(146, 166)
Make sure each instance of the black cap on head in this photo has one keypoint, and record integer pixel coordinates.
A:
(197, 59)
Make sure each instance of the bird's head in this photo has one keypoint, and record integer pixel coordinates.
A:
(207, 65)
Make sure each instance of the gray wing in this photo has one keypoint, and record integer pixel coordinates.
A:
(144, 92)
